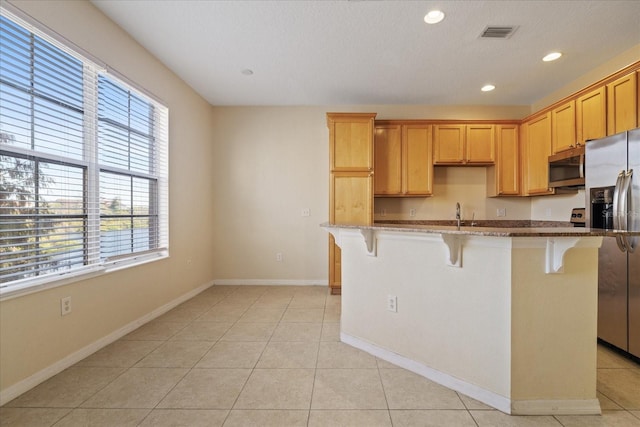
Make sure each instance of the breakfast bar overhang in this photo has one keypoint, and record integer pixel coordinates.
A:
(505, 316)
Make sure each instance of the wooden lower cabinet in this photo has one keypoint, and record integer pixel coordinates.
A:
(351, 198)
(335, 267)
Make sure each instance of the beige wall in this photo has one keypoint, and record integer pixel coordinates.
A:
(33, 335)
(271, 162)
(239, 178)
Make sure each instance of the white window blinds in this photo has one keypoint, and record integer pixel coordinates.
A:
(83, 162)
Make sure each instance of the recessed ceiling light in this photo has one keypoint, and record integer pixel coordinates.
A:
(434, 16)
(552, 56)
(487, 88)
(247, 72)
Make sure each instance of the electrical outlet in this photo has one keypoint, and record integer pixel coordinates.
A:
(279, 256)
(412, 212)
(501, 212)
(392, 303)
(65, 306)
(547, 212)
(383, 212)
(306, 212)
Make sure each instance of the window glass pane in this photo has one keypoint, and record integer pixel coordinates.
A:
(125, 129)
(57, 130)
(128, 222)
(115, 237)
(115, 194)
(141, 115)
(42, 219)
(15, 61)
(114, 146)
(140, 154)
(15, 117)
(114, 102)
(57, 75)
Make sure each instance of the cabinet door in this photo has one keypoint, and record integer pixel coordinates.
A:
(622, 104)
(351, 198)
(448, 143)
(480, 144)
(335, 266)
(563, 124)
(417, 158)
(388, 160)
(591, 115)
(508, 160)
(536, 155)
(350, 141)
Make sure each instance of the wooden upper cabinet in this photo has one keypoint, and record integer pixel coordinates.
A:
(503, 179)
(563, 127)
(464, 144)
(350, 141)
(536, 152)
(448, 144)
(480, 144)
(388, 160)
(417, 160)
(591, 115)
(403, 160)
(622, 104)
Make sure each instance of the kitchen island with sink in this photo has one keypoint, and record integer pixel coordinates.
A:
(507, 316)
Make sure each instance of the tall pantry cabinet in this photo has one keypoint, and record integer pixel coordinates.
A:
(351, 178)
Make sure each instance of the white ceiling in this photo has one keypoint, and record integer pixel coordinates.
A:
(376, 52)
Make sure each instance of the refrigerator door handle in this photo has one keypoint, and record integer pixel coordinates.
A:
(616, 209)
(629, 242)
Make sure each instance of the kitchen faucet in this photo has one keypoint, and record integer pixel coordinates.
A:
(458, 213)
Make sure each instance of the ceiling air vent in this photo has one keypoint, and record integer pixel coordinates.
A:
(502, 32)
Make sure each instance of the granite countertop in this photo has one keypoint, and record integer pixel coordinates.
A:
(491, 228)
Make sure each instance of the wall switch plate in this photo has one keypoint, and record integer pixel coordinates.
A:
(65, 306)
(279, 256)
(412, 212)
(392, 303)
(501, 212)
(306, 212)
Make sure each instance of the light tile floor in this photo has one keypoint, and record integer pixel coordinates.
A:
(271, 356)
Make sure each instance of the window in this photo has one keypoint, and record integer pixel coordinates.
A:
(83, 163)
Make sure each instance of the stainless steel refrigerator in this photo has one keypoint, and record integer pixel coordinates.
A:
(612, 188)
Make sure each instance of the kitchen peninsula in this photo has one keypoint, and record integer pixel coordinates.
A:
(504, 315)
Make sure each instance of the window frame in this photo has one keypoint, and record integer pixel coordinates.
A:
(158, 203)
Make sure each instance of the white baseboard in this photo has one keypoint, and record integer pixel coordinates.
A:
(270, 282)
(487, 397)
(556, 407)
(28, 383)
(502, 403)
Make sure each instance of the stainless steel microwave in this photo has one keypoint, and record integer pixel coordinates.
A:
(566, 169)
